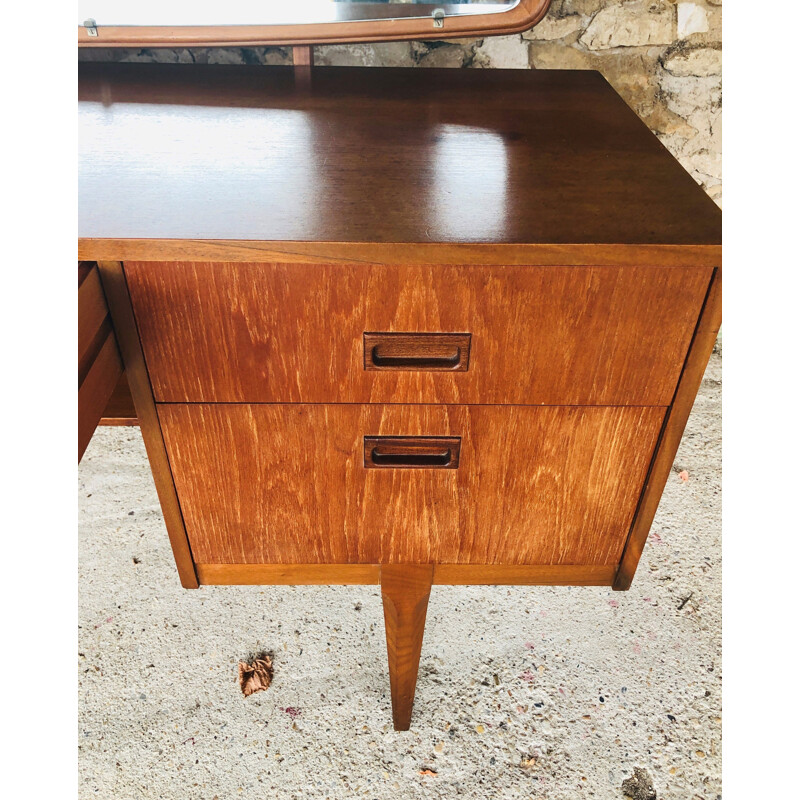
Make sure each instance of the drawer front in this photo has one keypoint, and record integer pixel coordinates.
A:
(99, 363)
(293, 484)
(306, 333)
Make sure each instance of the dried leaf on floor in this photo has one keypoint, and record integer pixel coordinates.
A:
(255, 675)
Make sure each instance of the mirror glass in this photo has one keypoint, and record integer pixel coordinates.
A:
(272, 12)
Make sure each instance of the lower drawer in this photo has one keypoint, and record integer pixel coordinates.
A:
(294, 484)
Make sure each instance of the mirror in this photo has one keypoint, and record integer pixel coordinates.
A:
(274, 12)
(128, 23)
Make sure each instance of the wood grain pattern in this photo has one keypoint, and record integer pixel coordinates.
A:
(400, 25)
(232, 332)
(448, 574)
(405, 589)
(545, 255)
(95, 389)
(285, 484)
(291, 574)
(524, 575)
(376, 155)
(116, 292)
(93, 323)
(703, 342)
(99, 364)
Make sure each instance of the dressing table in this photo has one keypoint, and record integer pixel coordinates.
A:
(387, 326)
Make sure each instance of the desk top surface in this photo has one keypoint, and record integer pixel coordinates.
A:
(376, 155)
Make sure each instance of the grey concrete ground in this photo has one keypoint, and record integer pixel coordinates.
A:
(523, 692)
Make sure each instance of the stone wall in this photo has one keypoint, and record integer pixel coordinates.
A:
(663, 56)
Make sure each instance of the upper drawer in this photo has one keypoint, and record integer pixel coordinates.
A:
(255, 332)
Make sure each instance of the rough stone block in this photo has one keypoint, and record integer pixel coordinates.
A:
(555, 28)
(384, 54)
(439, 55)
(702, 61)
(502, 52)
(692, 18)
(686, 95)
(633, 24)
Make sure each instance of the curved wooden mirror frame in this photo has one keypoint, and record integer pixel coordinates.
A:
(520, 17)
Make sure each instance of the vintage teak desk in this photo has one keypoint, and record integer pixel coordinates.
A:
(406, 327)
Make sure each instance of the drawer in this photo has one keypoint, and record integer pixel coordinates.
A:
(99, 363)
(281, 333)
(296, 484)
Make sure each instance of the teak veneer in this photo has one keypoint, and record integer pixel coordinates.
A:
(401, 327)
(273, 483)
(99, 364)
(294, 333)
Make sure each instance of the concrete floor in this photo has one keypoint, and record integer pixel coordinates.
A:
(523, 692)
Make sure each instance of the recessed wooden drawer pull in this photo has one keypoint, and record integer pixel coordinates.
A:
(411, 452)
(417, 351)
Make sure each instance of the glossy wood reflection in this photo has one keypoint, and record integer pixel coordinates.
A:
(375, 155)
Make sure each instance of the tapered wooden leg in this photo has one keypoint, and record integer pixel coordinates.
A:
(405, 589)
